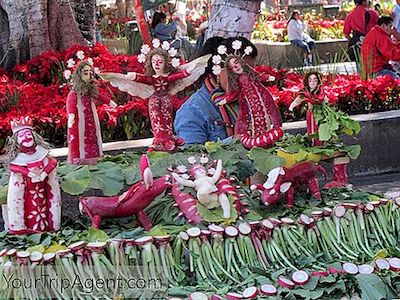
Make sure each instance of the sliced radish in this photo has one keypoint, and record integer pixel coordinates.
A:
(268, 290)
(320, 273)
(267, 224)
(274, 221)
(254, 224)
(175, 298)
(143, 240)
(244, 228)
(365, 269)
(216, 297)
(305, 219)
(333, 270)
(287, 221)
(394, 264)
(23, 254)
(300, 277)
(287, 283)
(375, 203)
(184, 236)
(162, 238)
(11, 252)
(250, 292)
(205, 232)
(3, 252)
(327, 211)
(36, 256)
(198, 296)
(233, 296)
(96, 246)
(130, 242)
(193, 232)
(350, 205)
(384, 201)
(397, 201)
(369, 208)
(231, 231)
(382, 264)
(340, 211)
(350, 268)
(77, 246)
(317, 214)
(49, 257)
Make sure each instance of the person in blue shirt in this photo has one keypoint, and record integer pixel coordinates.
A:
(160, 28)
(200, 119)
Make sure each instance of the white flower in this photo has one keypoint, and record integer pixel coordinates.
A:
(248, 50)
(90, 61)
(192, 160)
(175, 62)
(145, 49)
(156, 43)
(211, 171)
(216, 69)
(172, 52)
(236, 44)
(141, 58)
(185, 176)
(204, 159)
(67, 74)
(181, 169)
(216, 59)
(70, 63)
(271, 78)
(166, 46)
(71, 120)
(80, 54)
(96, 70)
(221, 49)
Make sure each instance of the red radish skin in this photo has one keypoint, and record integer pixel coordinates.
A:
(250, 292)
(317, 214)
(3, 252)
(216, 297)
(394, 264)
(320, 273)
(268, 290)
(287, 283)
(350, 268)
(365, 269)
(233, 296)
(327, 211)
(11, 252)
(267, 224)
(333, 270)
(300, 277)
(275, 222)
(382, 264)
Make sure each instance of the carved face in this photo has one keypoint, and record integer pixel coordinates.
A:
(313, 82)
(86, 74)
(199, 172)
(158, 64)
(25, 138)
(235, 66)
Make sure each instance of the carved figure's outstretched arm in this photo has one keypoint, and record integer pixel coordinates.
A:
(184, 182)
(218, 171)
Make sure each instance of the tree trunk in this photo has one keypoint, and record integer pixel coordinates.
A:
(121, 8)
(233, 18)
(129, 8)
(85, 15)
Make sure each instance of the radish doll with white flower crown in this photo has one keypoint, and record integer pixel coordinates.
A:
(163, 78)
(259, 122)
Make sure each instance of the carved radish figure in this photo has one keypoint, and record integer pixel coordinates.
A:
(132, 202)
(287, 180)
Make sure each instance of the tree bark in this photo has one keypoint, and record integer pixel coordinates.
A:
(129, 8)
(121, 8)
(85, 15)
(233, 18)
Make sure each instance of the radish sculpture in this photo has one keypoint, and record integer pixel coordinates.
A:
(132, 202)
(286, 180)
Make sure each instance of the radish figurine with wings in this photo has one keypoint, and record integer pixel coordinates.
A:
(164, 78)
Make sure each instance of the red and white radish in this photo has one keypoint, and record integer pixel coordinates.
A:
(340, 211)
(193, 232)
(215, 228)
(268, 290)
(365, 269)
(266, 224)
(394, 264)
(300, 277)
(244, 228)
(350, 268)
(287, 221)
(216, 297)
(250, 292)
(231, 231)
(382, 264)
(198, 296)
(233, 296)
(320, 273)
(285, 282)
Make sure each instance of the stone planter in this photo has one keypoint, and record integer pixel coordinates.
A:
(284, 55)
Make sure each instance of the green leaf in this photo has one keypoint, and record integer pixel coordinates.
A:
(108, 177)
(352, 151)
(212, 147)
(77, 181)
(265, 161)
(371, 286)
(324, 132)
(38, 248)
(35, 238)
(95, 235)
(306, 294)
(216, 215)
(132, 175)
(3, 194)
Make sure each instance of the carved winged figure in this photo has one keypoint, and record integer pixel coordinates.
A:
(163, 78)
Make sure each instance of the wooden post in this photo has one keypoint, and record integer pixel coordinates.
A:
(141, 21)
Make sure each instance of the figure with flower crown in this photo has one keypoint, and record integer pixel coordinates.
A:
(259, 122)
(34, 198)
(164, 77)
(84, 134)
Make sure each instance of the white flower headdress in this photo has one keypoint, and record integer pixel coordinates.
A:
(166, 46)
(223, 54)
(71, 64)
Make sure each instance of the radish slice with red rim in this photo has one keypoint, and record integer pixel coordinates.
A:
(3, 252)
(234, 296)
(268, 290)
(36, 256)
(305, 219)
(96, 246)
(340, 211)
(394, 264)
(62, 253)
(215, 228)
(275, 222)
(350, 268)
(285, 282)
(300, 277)
(184, 236)
(250, 292)
(198, 296)
(327, 211)
(384, 201)
(244, 228)
(267, 224)
(350, 205)
(397, 201)
(369, 207)
(317, 213)
(334, 270)
(287, 221)
(205, 232)
(23, 254)
(231, 231)
(162, 238)
(175, 299)
(375, 203)
(47, 257)
(193, 232)
(365, 269)
(320, 273)
(77, 246)
(11, 252)
(216, 297)
(382, 264)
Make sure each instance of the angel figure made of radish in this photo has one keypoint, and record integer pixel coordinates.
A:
(313, 94)
(163, 78)
(259, 123)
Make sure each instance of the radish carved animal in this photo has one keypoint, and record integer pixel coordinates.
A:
(287, 180)
(132, 202)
